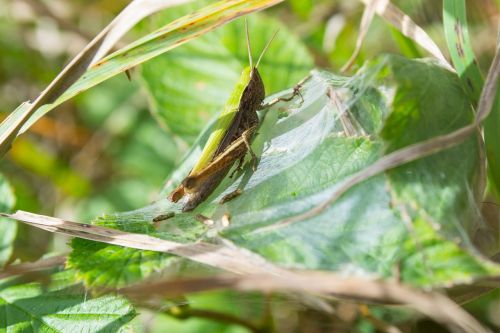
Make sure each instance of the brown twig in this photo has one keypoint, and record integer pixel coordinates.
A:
(31, 267)
(232, 259)
(436, 306)
(218, 316)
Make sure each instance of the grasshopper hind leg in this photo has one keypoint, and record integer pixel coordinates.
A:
(203, 190)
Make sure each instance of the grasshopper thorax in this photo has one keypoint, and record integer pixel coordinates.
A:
(255, 91)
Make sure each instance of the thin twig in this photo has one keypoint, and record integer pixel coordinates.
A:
(366, 20)
(436, 306)
(31, 267)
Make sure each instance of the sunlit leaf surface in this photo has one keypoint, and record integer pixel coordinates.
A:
(413, 221)
(61, 307)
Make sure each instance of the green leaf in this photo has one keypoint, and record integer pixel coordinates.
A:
(406, 45)
(61, 307)
(192, 83)
(366, 229)
(100, 264)
(8, 228)
(416, 218)
(208, 67)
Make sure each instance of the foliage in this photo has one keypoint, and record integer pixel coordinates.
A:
(402, 218)
(60, 307)
(428, 223)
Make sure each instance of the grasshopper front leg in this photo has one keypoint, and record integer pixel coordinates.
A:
(296, 92)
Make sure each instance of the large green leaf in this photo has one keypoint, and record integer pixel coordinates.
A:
(415, 219)
(60, 307)
(99, 264)
(190, 84)
(8, 228)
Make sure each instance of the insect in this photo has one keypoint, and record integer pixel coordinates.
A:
(230, 140)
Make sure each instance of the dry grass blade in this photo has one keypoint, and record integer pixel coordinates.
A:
(410, 153)
(407, 27)
(93, 52)
(128, 18)
(32, 267)
(371, 9)
(433, 305)
(231, 259)
(464, 294)
(490, 88)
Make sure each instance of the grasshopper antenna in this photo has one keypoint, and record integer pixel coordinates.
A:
(266, 47)
(248, 44)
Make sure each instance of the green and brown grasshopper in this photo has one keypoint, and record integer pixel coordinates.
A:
(230, 140)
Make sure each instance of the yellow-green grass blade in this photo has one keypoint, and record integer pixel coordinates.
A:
(170, 36)
(223, 121)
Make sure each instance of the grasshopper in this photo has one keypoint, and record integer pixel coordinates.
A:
(230, 141)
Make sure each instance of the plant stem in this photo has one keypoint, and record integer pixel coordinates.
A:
(187, 313)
